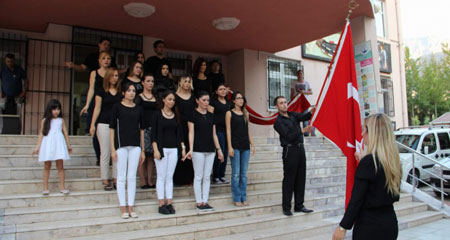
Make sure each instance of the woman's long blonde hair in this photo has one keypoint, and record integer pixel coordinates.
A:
(108, 75)
(381, 143)
(181, 81)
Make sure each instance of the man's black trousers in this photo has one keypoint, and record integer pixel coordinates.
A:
(294, 167)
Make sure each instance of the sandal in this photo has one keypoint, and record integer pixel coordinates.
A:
(245, 203)
(108, 187)
(45, 192)
(125, 215)
(65, 191)
(238, 204)
(133, 215)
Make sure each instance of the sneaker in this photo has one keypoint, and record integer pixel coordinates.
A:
(171, 209)
(163, 210)
(223, 180)
(201, 208)
(217, 181)
(208, 208)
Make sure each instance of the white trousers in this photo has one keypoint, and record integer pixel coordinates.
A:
(164, 173)
(127, 164)
(103, 132)
(203, 163)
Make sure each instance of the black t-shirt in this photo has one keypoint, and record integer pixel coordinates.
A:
(148, 107)
(153, 64)
(138, 85)
(127, 122)
(203, 131)
(202, 85)
(163, 84)
(220, 110)
(216, 79)
(91, 62)
(239, 132)
(98, 85)
(108, 102)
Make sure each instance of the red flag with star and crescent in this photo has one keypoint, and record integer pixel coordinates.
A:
(337, 114)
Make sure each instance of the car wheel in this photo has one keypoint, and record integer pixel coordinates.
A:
(409, 179)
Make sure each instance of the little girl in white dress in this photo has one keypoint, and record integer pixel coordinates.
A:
(53, 144)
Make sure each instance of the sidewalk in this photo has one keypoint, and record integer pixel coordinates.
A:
(438, 230)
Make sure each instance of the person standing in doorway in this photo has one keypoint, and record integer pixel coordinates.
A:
(302, 87)
(200, 80)
(153, 63)
(215, 75)
(288, 127)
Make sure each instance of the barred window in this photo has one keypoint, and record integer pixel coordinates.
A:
(280, 74)
(388, 96)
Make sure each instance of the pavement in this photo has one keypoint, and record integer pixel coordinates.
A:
(437, 230)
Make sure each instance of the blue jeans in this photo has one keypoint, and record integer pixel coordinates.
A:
(239, 167)
(219, 168)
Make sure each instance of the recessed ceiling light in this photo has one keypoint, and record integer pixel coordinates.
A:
(139, 10)
(226, 23)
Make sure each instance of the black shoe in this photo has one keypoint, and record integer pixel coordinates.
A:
(223, 180)
(208, 207)
(304, 210)
(152, 186)
(287, 212)
(201, 208)
(164, 210)
(145, 186)
(171, 209)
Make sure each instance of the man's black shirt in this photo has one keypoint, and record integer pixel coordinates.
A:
(289, 127)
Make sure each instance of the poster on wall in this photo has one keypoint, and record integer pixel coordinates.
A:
(321, 49)
(384, 57)
(366, 79)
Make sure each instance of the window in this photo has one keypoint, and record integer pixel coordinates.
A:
(430, 142)
(380, 23)
(444, 141)
(409, 141)
(181, 63)
(388, 96)
(280, 74)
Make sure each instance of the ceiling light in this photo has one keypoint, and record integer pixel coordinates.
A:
(139, 10)
(226, 23)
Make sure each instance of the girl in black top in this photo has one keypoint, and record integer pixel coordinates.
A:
(167, 137)
(201, 81)
(239, 144)
(134, 77)
(162, 80)
(127, 146)
(220, 106)
(185, 101)
(105, 98)
(376, 186)
(149, 105)
(204, 143)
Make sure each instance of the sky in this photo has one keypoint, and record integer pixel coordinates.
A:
(429, 18)
(425, 25)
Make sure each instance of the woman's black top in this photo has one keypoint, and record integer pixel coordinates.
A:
(202, 85)
(137, 85)
(220, 110)
(185, 108)
(216, 80)
(239, 132)
(369, 191)
(149, 107)
(163, 84)
(203, 131)
(127, 123)
(108, 102)
(167, 133)
(98, 85)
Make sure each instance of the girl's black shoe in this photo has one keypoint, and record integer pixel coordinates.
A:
(164, 210)
(171, 209)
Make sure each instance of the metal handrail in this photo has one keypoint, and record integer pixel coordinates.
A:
(415, 178)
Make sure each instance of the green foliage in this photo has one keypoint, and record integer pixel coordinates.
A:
(428, 87)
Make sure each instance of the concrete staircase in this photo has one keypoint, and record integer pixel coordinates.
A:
(89, 212)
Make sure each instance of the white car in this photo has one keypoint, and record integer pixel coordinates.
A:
(446, 175)
(433, 142)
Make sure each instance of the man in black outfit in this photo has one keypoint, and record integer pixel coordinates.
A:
(288, 127)
(91, 61)
(153, 64)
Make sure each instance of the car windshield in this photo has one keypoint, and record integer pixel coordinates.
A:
(409, 140)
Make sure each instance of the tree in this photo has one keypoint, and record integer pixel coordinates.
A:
(428, 86)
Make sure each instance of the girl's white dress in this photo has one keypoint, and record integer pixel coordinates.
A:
(53, 146)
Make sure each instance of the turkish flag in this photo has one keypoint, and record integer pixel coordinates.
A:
(337, 114)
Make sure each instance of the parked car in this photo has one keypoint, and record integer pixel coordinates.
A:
(433, 142)
(446, 175)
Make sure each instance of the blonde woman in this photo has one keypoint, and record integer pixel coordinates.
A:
(376, 187)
